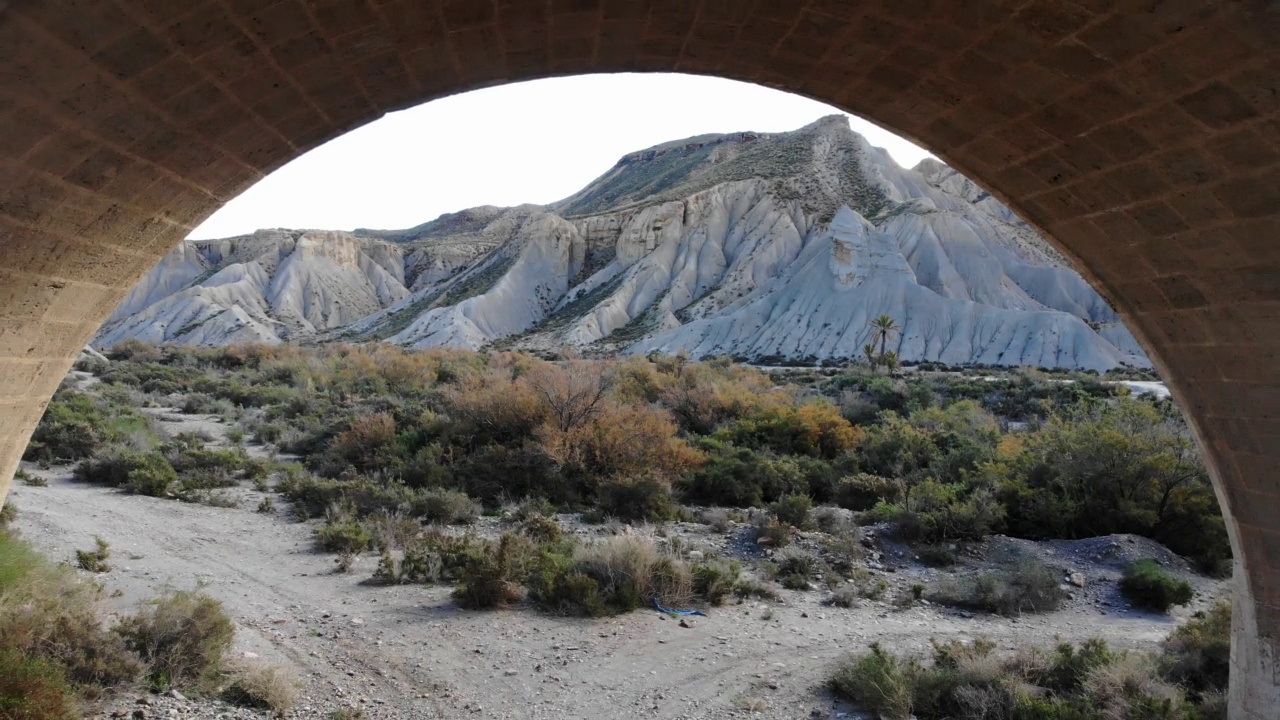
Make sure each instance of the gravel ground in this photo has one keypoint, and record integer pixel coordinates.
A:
(409, 652)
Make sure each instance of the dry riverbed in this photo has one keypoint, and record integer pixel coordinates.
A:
(409, 652)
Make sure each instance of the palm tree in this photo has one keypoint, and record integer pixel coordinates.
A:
(883, 325)
(870, 351)
(890, 360)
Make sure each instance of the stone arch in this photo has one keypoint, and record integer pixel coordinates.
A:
(1143, 138)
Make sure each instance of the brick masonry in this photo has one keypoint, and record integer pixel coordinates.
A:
(1143, 138)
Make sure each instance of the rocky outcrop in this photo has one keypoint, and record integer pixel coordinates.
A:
(748, 244)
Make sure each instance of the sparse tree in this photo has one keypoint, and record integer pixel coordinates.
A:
(574, 391)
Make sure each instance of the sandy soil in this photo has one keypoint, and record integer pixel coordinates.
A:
(409, 652)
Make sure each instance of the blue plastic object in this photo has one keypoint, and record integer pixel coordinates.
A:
(676, 612)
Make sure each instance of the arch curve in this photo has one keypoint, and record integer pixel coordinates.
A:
(1142, 138)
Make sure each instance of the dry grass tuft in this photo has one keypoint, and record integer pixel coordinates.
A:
(264, 687)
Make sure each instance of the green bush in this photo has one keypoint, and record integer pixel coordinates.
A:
(95, 560)
(617, 574)
(1197, 654)
(343, 535)
(1029, 587)
(492, 579)
(72, 428)
(1151, 587)
(636, 498)
(937, 555)
(28, 479)
(447, 507)
(741, 477)
(793, 510)
(143, 473)
(715, 580)
(968, 681)
(541, 529)
(49, 615)
(1123, 466)
(34, 688)
(181, 636)
(877, 681)
(863, 490)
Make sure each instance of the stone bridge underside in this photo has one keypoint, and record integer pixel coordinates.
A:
(1142, 137)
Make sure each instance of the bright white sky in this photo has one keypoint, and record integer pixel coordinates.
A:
(534, 142)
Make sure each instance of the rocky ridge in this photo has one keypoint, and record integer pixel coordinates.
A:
(756, 245)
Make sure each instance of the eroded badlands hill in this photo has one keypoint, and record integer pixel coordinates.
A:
(747, 244)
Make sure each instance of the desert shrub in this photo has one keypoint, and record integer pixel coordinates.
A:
(189, 454)
(498, 406)
(792, 510)
(1130, 687)
(632, 572)
(876, 681)
(1151, 587)
(1197, 654)
(715, 580)
(28, 479)
(492, 579)
(556, 586)
(494, 473)
(342, 533)
(814, 428)
(150, 474)
(311, 495)
(73, 428)
(8, 513)
(741, 477)
(636, 497)
(969, 681)
(620, 441)
(95, 560)
(937, 555)
(796, 567)
(863, 490)
(448, 507)
(541, 529)
(769, 532)
(34, 688)
(617, 574)
(717, 519)
(749, 587)
(834, 521)
(936, 512)
(49, 616)
(370, 442)
(263, 687)
(702, 396)
(143, 473)
(181, 636)
(845, 596)
(436, 556)
(843, 552)
(1029, 587)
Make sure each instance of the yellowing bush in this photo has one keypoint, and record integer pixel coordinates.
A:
(621, 440)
